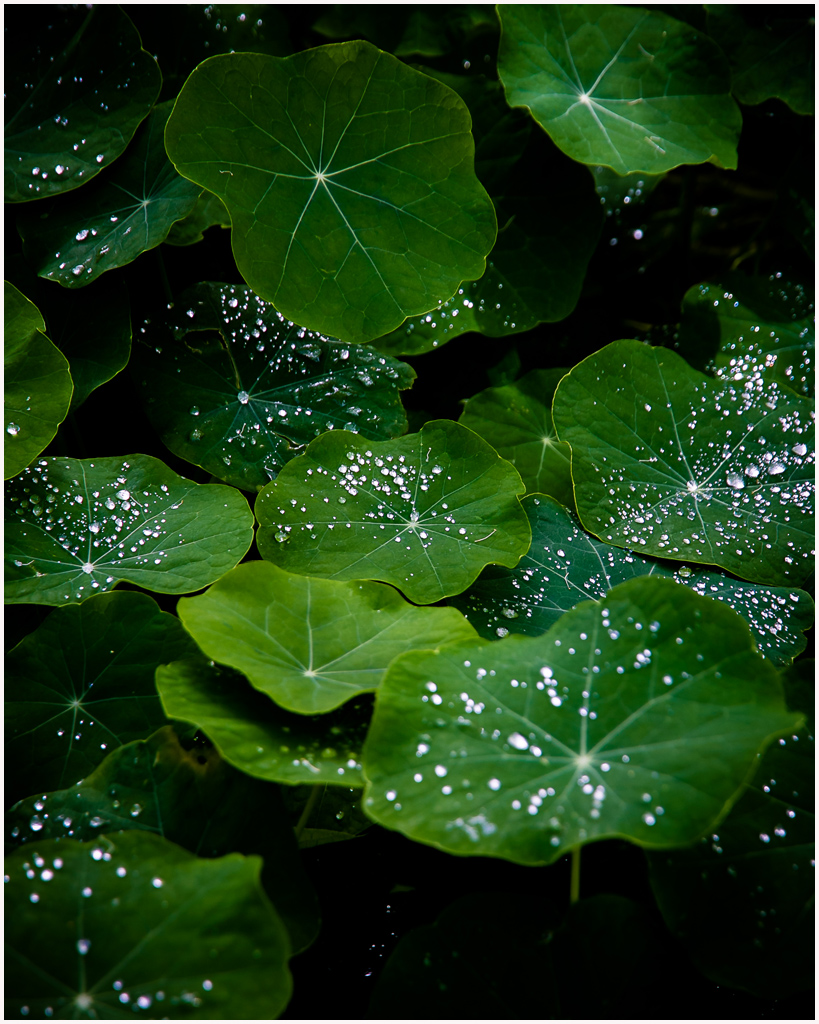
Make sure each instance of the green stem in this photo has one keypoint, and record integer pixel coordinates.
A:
(574, 889)
(163, 274)
(312, 800)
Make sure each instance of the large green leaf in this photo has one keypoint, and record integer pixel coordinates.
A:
(517, 421)
(311, 644)
(81, 685)
(76, 90)
(75, 527)
(104, 930)
(565, 565)
(191, 797)
(127, 210)
(348, 178)
(742, 899)
(638, 719)
(619, 86)
(259, 737)
(674, 464)
(426, 512)
(235, 388)
(37, 385)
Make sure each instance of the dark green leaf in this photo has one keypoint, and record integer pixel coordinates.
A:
(257, 736)
(209, 212)
(82, 685)
(618, 191)
(77, 527)
(330, 814)
(37, 383)
(619, 86)
(127, 210)
(640, 719)
(675, 464)
(348, 178)
(426, 512)
(136, 923)
(76, 90)
(239, 390)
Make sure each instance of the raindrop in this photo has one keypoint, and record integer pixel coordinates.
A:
(243, 397)
(83, 945)
(13, 429)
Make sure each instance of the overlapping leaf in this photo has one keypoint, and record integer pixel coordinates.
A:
(348, 178)
(209, 212)
(78, 527)
(623, 87)
(671, 463)
(638, 718)
(240, 391)
(425, 512)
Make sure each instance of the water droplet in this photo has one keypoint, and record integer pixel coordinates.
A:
(83, 945)
(13, 429)
(243, 397)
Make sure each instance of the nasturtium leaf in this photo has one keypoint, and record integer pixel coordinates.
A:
(191, 797)
(134, 922)
(127, 210)
(81, 685)
(770, 55)
(235, 388)
(311, 644)
(618, 191)
(76, 90)
(37, 385)
(425, 512)
(257, 736)
(76, 527)
(623, 87)
(565, 565)
(747, 329)
(742, 899)
(639, 719)
(326, 814)
(517, 421)
(348, 178)
(675, 464)
(209, 212)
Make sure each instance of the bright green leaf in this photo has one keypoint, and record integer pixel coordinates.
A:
(311, 644)
(674, 464)
(237, 389)
(37, 384)
(77, 527)
(425, 512)
(619, 86)
(137, 923)
(348, 178)
(209, 212)
(76, 90)
(638, 719)
(127, 210)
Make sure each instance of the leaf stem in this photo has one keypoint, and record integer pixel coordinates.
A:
(163, 274)
(315, 793)
(574, 887)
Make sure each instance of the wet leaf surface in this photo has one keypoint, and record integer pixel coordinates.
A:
(425, 512)
(78, 527)
(638, 720)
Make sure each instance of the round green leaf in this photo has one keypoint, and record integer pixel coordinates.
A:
(638, 719)
(311, 644)
(426, 512)
(517, 421)
(76, 90)
(239, 390)
(348, 178)
(127, 210)
(81, 685)
(37, 384)
(101, 930)
(259, 737)
(674, 464)
(75, 527)
(619, 86)
(565, 565)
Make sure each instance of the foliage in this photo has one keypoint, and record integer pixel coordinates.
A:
(499, 321)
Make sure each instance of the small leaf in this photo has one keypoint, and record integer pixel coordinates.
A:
(78, 527)
(348, 178)
(640, 719)
(137, 923)
(37, 383)
(209, 212)
(619, 86)
(240, 391)
(425, 512)
(674, 464)
(311, 644)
